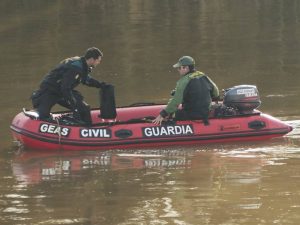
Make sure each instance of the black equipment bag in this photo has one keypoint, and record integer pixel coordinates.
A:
(108, 105)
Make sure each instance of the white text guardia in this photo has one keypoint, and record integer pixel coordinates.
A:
(168, 131)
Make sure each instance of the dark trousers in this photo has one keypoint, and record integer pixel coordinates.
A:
(44, 100)
(181, 114)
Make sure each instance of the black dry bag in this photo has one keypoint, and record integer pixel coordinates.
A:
(108, 105)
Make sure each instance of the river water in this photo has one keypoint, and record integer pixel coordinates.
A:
(234, 42)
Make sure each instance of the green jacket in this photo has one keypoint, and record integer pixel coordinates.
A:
(177, 99)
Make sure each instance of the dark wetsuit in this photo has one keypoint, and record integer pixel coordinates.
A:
(57, 88)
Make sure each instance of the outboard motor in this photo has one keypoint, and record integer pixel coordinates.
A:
(245, 98)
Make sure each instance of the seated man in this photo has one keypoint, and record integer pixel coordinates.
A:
(194, 90)
(57, 86)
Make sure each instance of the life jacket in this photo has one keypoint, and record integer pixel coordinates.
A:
(197, 95)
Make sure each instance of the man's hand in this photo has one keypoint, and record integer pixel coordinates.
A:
(101, 84)
(158, 120)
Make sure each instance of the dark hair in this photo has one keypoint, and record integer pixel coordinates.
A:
(192, 68)
(93, 52)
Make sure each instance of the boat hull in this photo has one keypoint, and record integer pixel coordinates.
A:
(41, 135)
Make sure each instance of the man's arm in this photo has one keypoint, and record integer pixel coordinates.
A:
(215, 90)
(68, 79)
(91, 82)
(176, 100)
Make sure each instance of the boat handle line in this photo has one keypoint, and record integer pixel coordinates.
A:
(59, 133)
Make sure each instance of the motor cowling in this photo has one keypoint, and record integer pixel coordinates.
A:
(245, 98)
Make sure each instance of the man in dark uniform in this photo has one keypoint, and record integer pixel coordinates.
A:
(58, 86)
(194, 90)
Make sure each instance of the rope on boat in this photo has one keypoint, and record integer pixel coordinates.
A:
(59, 130)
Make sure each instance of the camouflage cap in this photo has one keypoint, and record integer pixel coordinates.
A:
(184, 61)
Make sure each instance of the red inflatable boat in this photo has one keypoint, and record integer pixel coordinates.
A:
(133, 127)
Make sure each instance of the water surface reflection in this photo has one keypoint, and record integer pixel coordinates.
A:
(215, 184)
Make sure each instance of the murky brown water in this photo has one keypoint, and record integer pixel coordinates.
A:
(235, 42)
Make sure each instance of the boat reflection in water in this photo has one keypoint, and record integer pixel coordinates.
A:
(235, 179)
(34, 166)
(31, 167)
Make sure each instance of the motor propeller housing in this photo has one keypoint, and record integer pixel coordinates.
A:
(245, 98)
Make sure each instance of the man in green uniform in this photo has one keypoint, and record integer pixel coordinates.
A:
(194, 90)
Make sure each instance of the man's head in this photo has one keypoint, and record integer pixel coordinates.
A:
(93, 56)
(185, 61)
(185, 65)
